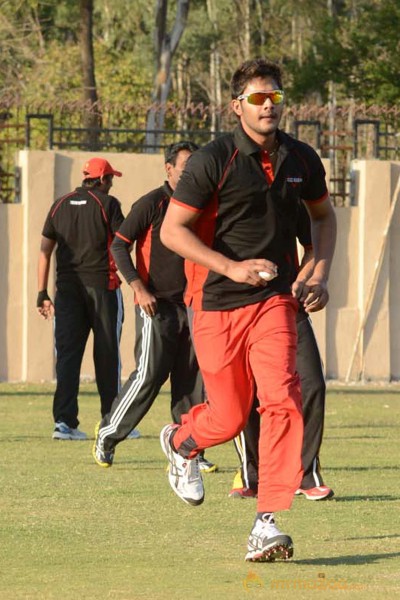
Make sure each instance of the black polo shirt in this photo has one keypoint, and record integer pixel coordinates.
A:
(160, 269)
(244, 217)
(83, 224)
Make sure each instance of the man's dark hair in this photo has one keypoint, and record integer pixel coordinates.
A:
(96, 182)
(172, 151)
(251, 69)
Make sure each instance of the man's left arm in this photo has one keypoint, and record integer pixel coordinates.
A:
(315, 197)
(306, 267)
(314, 294)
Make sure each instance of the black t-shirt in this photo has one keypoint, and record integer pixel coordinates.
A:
(160, 269)
(244, 217)
(83, 224)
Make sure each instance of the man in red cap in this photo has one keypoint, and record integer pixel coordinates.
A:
(82, 225)
(99, 167)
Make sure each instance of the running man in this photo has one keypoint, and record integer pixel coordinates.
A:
(233, 217)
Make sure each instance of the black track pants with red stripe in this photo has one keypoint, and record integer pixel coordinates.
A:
(163, 349)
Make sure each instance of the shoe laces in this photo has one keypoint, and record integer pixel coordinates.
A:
(268, 525)
(193, 469)
(63, 427)
(102, 451)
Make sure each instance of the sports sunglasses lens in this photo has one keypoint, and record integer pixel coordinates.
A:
(258, 98)
(276, 97)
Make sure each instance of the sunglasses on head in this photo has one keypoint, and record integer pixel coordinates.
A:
(258, 98)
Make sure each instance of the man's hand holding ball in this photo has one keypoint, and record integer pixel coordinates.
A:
(267, 275)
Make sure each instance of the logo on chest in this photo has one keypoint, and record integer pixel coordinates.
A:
(294, 181)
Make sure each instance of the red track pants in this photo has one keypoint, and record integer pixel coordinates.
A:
(235, 348)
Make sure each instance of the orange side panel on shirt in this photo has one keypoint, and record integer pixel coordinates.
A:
(143, 252)
(196, 275)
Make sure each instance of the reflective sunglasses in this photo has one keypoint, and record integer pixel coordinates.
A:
(258, 98)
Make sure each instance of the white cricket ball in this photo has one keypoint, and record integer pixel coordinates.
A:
(267, 276)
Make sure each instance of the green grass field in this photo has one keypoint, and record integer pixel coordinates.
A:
(72, 530)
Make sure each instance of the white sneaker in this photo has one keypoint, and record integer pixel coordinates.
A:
(267, 543)
(133, 435)
(183, 474)
(63, 432)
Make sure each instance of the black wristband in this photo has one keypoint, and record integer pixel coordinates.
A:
(42, 296)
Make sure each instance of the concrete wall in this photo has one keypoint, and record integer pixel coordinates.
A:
(364, 290)
(11, 296)
(26, 341)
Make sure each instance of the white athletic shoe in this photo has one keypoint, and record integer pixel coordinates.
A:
(183, 474)
(267, 543)
(63, 432)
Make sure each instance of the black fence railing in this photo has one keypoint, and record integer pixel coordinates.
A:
(349, 133)
(111, 139)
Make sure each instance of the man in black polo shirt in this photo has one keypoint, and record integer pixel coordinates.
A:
(233, 216)
(163, 345)
(82, 225)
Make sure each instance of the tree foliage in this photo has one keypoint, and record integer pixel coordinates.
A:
(352, 43)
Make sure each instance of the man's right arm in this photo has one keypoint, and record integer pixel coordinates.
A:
(121, 251)
(44, 304)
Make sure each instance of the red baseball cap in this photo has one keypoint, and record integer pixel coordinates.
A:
(97, 167)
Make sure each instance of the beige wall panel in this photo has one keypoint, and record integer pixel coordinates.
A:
(26, 341)
(140, 174)
(394, 279)
(37, 187)
(342, 288)
(318, 321)
(343, 276)
(374, 209)
(11, 299)
(341, 328)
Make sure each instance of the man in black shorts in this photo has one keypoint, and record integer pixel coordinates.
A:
(82, 225)
(163, 346)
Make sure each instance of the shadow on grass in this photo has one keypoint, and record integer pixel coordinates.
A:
(365, 426)
(90, 438)
(22, 393)
(355, 437)
(377, 468)
(139, 465)
(394, 389)
(28, 393)
(142, 464)
(373, 537)
(380, 498)
(357, 559)
(24, 438)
